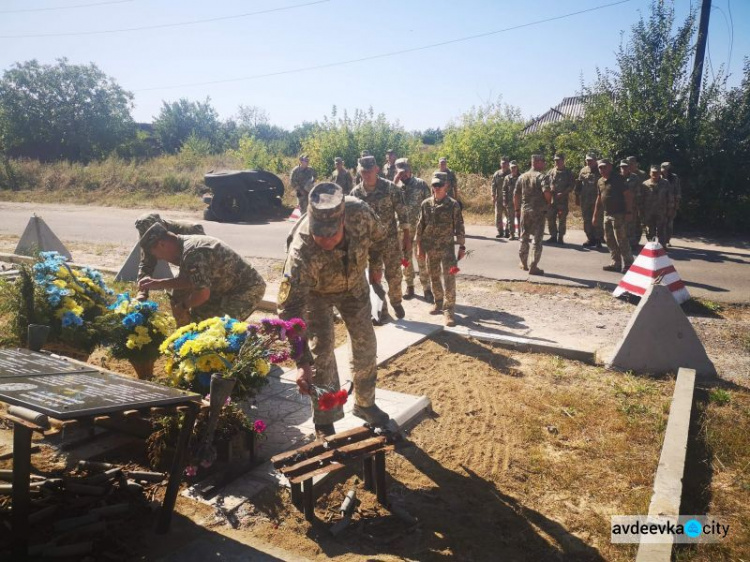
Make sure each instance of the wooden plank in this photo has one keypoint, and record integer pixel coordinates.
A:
(334, 467)
(334, 455)
(317, 447)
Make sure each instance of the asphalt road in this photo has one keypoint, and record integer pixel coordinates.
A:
(710, 270)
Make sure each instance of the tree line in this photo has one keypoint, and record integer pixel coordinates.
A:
(77, 113)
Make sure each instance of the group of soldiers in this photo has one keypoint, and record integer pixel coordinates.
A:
(616, 207)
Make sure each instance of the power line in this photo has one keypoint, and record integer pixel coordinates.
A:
(386, 55)
(164, 25)
(64, 7)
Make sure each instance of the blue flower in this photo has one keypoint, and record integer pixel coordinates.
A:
(235, 342)
(54, 300)
(70, 319)
(179, 342)
(133, 319)
(149, 306)
(204, 379)
(120, 298)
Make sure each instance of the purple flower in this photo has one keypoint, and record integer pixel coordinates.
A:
(191, 470)
(259, 426)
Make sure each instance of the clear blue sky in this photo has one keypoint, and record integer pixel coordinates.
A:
(531, 68)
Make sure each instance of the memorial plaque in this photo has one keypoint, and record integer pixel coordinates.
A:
(74, 395)
(26, 363)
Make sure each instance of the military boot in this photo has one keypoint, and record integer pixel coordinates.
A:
(534, 270)
(323, 430)
(428, 296)
(399, 310)
(506, 234)
(437, 308)
(448, 318)
(551, 240)
(598, 244)
(560, 240)
(523, 266)
(616, 267)
(589, 243)
(409, 293)
(371, 414)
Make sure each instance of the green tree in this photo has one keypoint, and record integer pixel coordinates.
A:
(62, 111)
(177, 121)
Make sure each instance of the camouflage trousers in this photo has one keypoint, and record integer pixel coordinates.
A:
(440, 261)
(411, 257)
(510, 217)
(302, 199)
(616, 236)
(635, 229)
(588, 203)
(388, 255)
(557, 219)
(669, 229)
(238, 305)
(499, 209)
(656, 228)
(532, 224)
(355, 311)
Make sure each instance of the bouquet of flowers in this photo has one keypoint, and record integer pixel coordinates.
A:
(138, 328)
(240, 350)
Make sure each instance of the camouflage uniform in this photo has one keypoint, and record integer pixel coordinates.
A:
(302, 181)
(562, 183)
(587, 190)
(388, 171)
(530, 188)
(315, 281)
(497, 194)
(343, 178)
(147, 265)
(633, 182)
(509, 206)
(415, 191)
(612, 192)
(236, 288)
(675, 196)
(387, 201)
(439, 222)
(653, 204)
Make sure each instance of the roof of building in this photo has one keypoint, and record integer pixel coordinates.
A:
(573, 107)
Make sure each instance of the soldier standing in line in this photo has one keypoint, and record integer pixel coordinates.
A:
(654, 203)
(586, 193)
(440, 222)
(302, 179)
(214, 280)
(633, 182)
(675, 194)
(387, 201)
(341, 175)
(616, 202)
(533, 196)
(325, 268)
(562, 183)
(496, 189)
(452, 179)
(508, 191)
(415, 190)
(357, 177)
(389, 168)
(147, 265)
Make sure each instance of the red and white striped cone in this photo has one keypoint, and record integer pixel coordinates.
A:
(295, 216)
(652, 263)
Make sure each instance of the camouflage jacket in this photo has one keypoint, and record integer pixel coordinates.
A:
(633, 182)
(675, 192)
(439, 222)
(415, 191)
(509, 188)
(344, 179)
(147, 265)
(654, 197)
(562, 183)
(497, 183)
(387, 201)
(210, 264)
(311, 271)
(530, 188)
(388, 171)
(586, 181)
(302, 179)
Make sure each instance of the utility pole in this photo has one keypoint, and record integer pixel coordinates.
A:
(700, 52)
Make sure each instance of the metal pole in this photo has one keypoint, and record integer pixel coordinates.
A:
(700, 52)
(21, 497)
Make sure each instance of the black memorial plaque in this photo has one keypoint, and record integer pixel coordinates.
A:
(74, 395)
(26, 363)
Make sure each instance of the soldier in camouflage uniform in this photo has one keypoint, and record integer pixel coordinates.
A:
(452, 179)
(387, 201)
(533, 196)
(616, 202)
(562, 183)
(214, 280)
(633, 181)
(302, 179)
(147, 265)
(341, 175)
(357, 177)
(415, 190)
(512, 214)
(325, 268)
(440, 222)
(586, 193)
(496, 190)
(389, 168)
(675, 197)
(654, 204)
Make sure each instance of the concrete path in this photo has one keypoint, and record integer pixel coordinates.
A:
(709, 269)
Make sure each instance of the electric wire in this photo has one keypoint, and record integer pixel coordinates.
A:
(58, 8)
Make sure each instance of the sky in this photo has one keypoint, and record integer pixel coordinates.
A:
(263, 53)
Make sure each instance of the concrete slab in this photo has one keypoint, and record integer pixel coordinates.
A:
(659, 338)
(665, 502)
(38, 237)
(129, 269)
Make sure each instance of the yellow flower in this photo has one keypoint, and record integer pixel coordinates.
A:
(262, 367)
(239, 328)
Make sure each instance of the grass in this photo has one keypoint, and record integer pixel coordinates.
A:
(720, 397)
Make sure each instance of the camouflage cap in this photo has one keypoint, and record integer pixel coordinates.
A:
(156, 232)
(604, 162)
(325, 209)
(338, 160)
(559, 156)
(443, 159)
(504, 159)
(303, 158)
(666, 164)
(537, 157)
(366, 163)
(144, 222)
(513, 164)
(364, 153)
(655, 168)
(403, 164)
(631, 159)
(439, 179)
(591, 156)
(624, 164)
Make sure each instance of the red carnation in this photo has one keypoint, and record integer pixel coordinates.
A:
(342, 396)
(453, 270)
(328, 401)
(404, 263)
